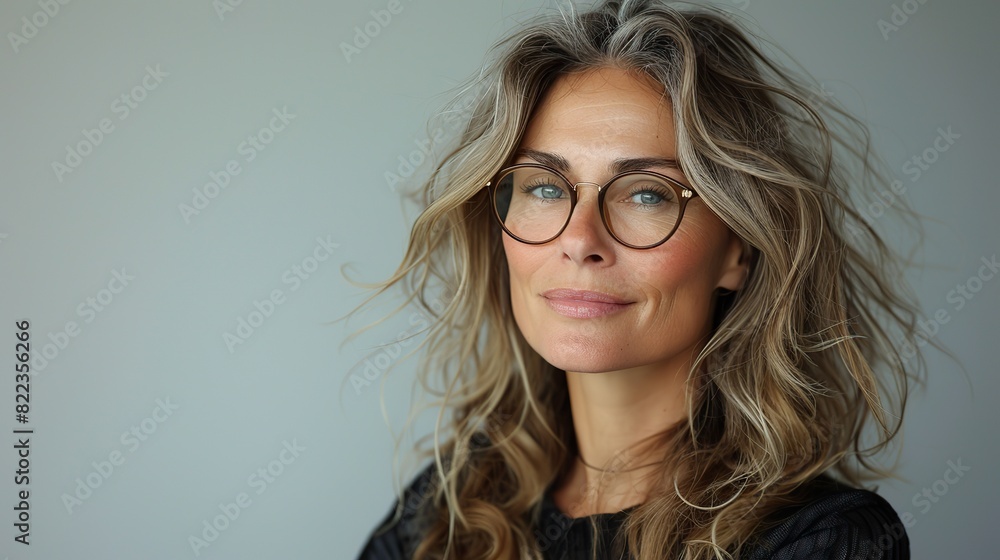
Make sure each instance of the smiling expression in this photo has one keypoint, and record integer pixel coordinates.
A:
(583, 301)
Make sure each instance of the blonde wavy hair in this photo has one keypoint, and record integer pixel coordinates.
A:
(799, 361)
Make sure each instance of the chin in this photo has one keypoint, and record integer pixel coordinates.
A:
(581, 356)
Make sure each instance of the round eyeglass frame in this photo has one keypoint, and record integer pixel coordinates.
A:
(684, 194)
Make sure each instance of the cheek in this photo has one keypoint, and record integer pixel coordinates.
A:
(520, 266)
(669, 279)
(680, 277)
(525, 265)
(682, 261)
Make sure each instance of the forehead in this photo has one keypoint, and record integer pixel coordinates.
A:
(607, 112)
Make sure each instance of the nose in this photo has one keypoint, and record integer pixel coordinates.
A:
(585, 239)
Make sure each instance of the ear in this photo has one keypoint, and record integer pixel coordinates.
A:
(735, 264)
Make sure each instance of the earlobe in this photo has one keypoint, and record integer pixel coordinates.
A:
(736, 265)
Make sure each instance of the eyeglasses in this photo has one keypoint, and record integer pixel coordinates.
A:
(640, 209)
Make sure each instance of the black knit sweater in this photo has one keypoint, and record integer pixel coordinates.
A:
(836, 522)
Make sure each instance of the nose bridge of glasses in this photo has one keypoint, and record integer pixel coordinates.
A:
(576, 186)
(584, 202)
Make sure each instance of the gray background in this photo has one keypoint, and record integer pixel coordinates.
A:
(62, 238)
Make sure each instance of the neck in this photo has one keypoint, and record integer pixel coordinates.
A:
(615, 415)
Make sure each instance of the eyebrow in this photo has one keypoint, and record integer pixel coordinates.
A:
(620, 165)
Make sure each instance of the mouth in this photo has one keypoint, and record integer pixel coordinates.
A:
(584, 304)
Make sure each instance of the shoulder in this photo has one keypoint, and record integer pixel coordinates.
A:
(406, 524)
(400, 531)
(837, 522)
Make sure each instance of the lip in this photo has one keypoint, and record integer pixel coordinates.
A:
(584, 304)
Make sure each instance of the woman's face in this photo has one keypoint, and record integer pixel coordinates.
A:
(664, 296)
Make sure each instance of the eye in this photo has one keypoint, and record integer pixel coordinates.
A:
(646, 197)
(649, 195)
(545, 190)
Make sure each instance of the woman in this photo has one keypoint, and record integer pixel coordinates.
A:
(668, 327)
